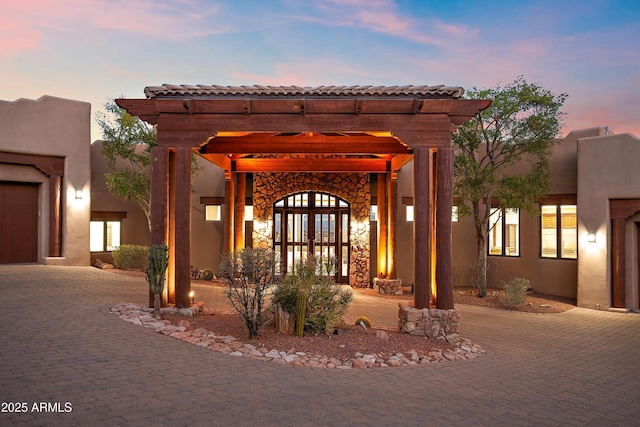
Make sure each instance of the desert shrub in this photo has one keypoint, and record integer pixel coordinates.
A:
(515, 292)
(248, 275)
(131, 257)
(326, 302)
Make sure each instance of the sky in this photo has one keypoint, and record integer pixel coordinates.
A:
(96, 50)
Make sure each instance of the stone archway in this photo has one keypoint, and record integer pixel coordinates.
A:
(353, 188)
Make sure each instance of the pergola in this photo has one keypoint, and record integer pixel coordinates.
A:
(356, 129)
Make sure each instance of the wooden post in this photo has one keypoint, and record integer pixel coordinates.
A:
(171, 230)
(444, 203)
(55, 216)
(183, 226)
(617, 263)
(159, 188)
(241, 189)
(382, 225)
(229, 210)
(392, 196)
(421, 226)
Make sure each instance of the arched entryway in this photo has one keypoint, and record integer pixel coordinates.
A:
(312, 224)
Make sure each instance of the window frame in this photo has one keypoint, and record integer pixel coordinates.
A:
(558, 205)
(503, 231)
(105, 218)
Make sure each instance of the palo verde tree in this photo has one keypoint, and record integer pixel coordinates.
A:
(127, 143)
(502, 157)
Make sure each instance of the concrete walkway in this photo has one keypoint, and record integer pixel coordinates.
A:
(61, 350)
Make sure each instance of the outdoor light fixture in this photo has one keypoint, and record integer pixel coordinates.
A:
(79, 194)
(591, 237)
(192, 296)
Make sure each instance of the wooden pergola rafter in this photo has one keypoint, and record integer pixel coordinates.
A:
(362, 129)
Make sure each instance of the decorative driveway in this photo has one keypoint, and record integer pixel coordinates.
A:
(65, 360)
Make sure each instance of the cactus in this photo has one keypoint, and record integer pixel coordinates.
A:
(156, 273)
(301, 312)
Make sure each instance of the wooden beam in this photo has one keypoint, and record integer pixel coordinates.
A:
(618, 265)
(259, 143)
(422, 227)
(174, 125)
(55, 215)
(383, 219)
(220, 160)
(183, 227)
(444, 202)
(311, 165)
(241, 189)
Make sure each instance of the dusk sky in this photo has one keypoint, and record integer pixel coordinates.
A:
(93, 50)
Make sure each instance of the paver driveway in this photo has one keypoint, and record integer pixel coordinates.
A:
(59, 344)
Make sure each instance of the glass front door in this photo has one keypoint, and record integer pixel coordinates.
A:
(316, 224)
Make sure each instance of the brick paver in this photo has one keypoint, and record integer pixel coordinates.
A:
(59, 344)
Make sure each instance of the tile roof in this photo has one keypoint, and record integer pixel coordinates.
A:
(438, 91)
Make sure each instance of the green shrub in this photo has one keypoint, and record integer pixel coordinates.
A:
(131, 257)
(515, 292)
(325, 301)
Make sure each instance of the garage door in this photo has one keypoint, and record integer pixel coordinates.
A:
(18, 222)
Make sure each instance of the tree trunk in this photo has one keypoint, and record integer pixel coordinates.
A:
(479, 275)
(481, 268)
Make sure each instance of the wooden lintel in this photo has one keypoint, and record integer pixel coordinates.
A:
(175, 139)
(48, 165)
(260, 144)
(311, 165)
(422, 124)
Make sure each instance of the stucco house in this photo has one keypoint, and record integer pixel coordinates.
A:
(585, 244)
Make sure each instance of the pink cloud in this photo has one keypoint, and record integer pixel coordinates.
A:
(384, 17)
(25, 26)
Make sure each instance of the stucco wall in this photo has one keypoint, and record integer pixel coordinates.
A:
(607, 169)
(52, 126)
(556, 277)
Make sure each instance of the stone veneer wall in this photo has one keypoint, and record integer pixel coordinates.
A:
(353, 188)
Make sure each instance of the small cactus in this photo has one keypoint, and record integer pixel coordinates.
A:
(156, 273)
(301, 312)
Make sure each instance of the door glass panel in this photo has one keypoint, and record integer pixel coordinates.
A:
(345, 228)
(277, 226)
(344, 261)
(332, 228)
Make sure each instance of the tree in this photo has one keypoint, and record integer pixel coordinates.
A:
(127, 143)
(520, 127)
(126, 137)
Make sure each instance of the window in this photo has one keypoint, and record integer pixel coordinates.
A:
(104, 236)
(504, 232)
(212, 213)
(559, 231)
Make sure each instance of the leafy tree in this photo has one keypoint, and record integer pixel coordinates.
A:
(127, 143)
(520, 127)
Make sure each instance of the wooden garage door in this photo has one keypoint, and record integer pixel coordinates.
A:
(18, 222)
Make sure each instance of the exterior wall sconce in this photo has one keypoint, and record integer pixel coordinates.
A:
(591, 237)
(79, 194)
